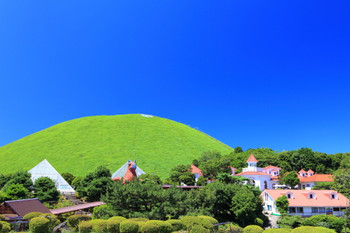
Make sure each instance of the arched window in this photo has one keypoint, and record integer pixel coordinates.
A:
(265, 184)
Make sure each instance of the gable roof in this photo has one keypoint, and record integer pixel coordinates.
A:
(252, 159)
(302, 171)
(25, 206)
(317, 178)
(272, 167)
(196, 170)
(300, 197)
(76, 207)
(45, 169)
(122, 170)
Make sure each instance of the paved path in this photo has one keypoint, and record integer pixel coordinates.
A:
(273, 220)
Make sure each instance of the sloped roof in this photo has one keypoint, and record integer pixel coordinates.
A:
(45, 169)
(196, 170)
(300, 197)
(310, 171)
(272, 167)
(76, 207)
(122, 170)
(302, 171)
(317, 178)
(25, 206)
(252, 159)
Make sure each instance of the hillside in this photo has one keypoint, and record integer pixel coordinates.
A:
(79, 146)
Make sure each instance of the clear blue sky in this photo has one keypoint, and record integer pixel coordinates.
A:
(249, 73)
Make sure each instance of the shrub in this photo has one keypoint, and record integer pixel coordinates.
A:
(74, 220)
(308, 229)
(85, 227)
(164, 227)
(328, 221)
(6, 227)
(290, 221)
(176, 225)
(103, 212)
(259, 222)
(39, 225)
(53, 220)
(114, 224)
(234, 229)
(199, 229)
(252, 229)
(2, 217)
(190, 221)
(210, 219)
(0, 227)
(31, 215)
(138, 219)
(278, 230)
(150, 227)
(99, 225)
(129, 227)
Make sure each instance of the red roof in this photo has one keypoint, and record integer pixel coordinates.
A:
(196, 170)
(253, 173)
(252, 159)
(317, 178)
(272, 167)
(302, 171)
(310, 171)
(300, 197)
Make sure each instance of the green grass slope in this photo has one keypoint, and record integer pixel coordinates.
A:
(79, 146)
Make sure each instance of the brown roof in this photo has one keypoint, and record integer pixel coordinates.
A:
(77, 207)
(25, 206)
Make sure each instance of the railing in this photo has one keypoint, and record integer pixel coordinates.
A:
(252, 169)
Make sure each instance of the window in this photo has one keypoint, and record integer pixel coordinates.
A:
(292, 210)
(332, 196)
(312, 196)
(307, 185)
(336, 209)
(322, 210)
(300, 210)
(289, 196)
(314, 209)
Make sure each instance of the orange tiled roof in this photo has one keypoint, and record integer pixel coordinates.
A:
(272, 167)
(196, 170)
(274, 178)
(253, 173)
(300, 197)
(252, 159)
(317, 178)
(310, 171)
(302, 171)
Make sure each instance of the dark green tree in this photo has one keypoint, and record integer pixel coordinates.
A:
(154, 179)
(68, 177)
(282, 204)
(45, 190)
(16, 191)
(291, 179)
(182, 174)
(238, 149)
(23, 178)
(4, 179)
(342, 181)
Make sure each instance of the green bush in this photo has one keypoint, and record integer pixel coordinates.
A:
(150, 227)
(114, 224)
(2, 217)
(138, 219)
(129, 226)
(233, 229)
(210, 219)
(31, 215)
(103, 212)
(199, 229)
(252, 229)
(278, 230)
(85, 227)
(259, 222)
(53, 220)
(290, 221)
(176, 225)
(164, 227)
(74, 220)
(6, 227)
(328, 221)
(190, 221)
(39, 225)
(99, 225)
(308, 229)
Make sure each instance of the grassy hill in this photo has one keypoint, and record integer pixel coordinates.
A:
(79, 146)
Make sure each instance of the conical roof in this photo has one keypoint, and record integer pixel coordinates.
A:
(45, 169)
(252, 159)
(122, 170)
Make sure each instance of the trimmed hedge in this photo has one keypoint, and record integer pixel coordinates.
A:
(114, 224)
(2, 217)
(6, 227)
(176, 224)
(278, 230)
(164, 227)
(150, 227)
(199, 229)
(74, 220)
(138, 219)
(31, 215)
(53, 220)
(253, 229)
(307, 229)
(234, 229)
(99, 225)
(129, 227)
(85, 227)
(39, 225)
(210, 219)
(190, 221)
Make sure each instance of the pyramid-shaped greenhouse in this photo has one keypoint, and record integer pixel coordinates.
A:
(45, 169)
(122, 170)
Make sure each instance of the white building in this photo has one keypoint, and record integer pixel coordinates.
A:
(306, 203)
(45, 169)
(264, 178)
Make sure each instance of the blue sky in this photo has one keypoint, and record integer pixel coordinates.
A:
(249, 73)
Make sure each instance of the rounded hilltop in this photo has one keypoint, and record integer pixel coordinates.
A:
(80, 145)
